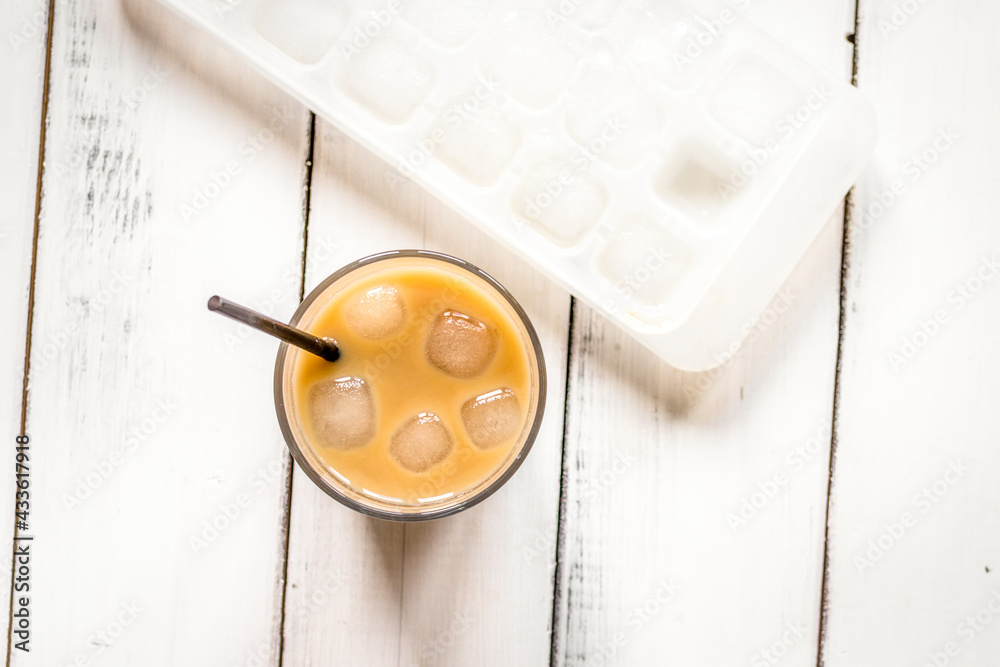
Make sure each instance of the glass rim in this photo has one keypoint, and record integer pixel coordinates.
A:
(321, 480)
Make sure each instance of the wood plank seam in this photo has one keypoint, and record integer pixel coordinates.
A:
(402, 578)
(560, 513)
(286, 518)
(31, 285)
(844, 267)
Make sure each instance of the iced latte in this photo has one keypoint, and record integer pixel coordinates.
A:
(436, 397)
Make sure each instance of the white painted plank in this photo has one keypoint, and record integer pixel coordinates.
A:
(157, 411)
(478, 588)
(915, 505)
(656, 558)
(344, 570)
(454, 591)
(24, 25)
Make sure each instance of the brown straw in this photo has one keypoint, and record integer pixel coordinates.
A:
(320, 347)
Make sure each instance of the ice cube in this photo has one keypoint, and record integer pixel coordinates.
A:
(389, 78)
(448, 22)
(752, 98)
(304, 29)
(669, 41)
(529, 61)
(612, 118)
(559, 202)
(343, 413)
(421, 443)
(476, 139)
(643, 260)
(493, 418)
(591, 14)
(376, 313)
(700, 181)
(460, 345)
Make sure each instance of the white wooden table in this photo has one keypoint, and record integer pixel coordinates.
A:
(829, 497)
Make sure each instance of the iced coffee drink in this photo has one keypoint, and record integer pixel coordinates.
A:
(436, 397)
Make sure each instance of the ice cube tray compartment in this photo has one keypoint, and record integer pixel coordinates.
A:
(634, 150)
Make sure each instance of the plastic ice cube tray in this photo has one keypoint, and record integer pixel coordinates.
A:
(665, 161)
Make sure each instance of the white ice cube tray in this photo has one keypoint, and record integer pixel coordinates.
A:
(665, 161)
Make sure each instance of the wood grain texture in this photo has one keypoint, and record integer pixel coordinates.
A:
(915, 505)
(695, 504)
(153, 423)
(451, 592)
(24, 26)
